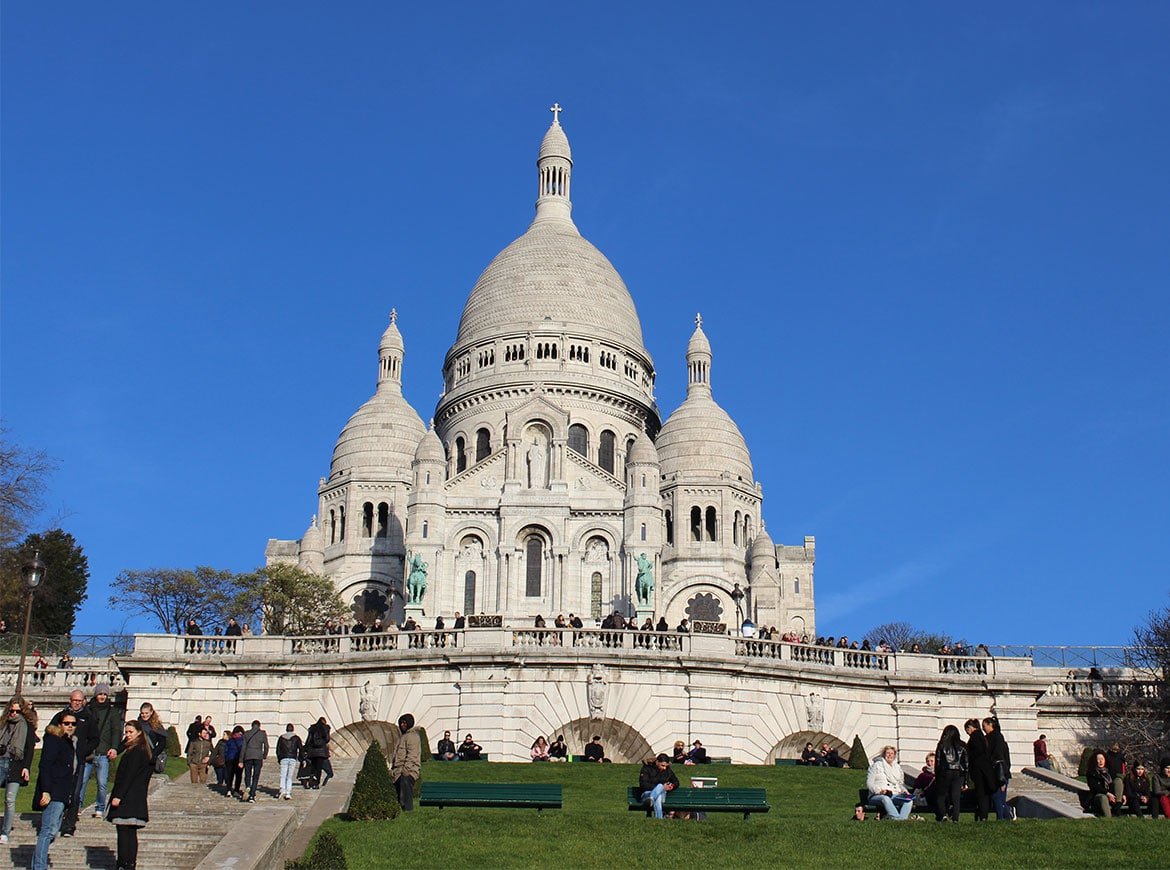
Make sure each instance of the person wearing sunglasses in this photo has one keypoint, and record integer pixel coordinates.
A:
(56, 776)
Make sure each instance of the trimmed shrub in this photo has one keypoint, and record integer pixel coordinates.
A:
(327, 855)
(858, 760)
(174, 747)
(425, 744)
(373, 791)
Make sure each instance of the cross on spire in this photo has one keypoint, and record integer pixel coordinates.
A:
(699, 320)
(393, 315)
(556, 110)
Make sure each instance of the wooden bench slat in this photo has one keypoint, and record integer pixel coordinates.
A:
(487, 794)
(713, 800)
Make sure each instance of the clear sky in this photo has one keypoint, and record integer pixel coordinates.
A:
(930, 242)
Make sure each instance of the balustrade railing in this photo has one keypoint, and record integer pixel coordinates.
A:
(1084, 689)
(83, 676)
(592, 638)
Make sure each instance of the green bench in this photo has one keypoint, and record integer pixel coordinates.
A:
(707, 800)
(538, 796)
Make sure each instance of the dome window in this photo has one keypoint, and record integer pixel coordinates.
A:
(669, 527)
(696, 524)
(711, 524)
(460, 455)
(533, 566)
(483, 445)
(367, 520)
(383, 520)
(605, 449)
(579, 439)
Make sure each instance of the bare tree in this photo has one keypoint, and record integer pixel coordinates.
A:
(173, 595)
(23, 477)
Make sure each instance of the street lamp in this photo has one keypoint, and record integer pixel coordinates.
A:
(33, 572)
(737, 597)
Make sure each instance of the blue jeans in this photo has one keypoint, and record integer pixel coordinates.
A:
(288, 775)
(656, 796)
(999, 801)
(101, 766)
(50, 826)
(10, 791)
(252, 775)
(896, 808)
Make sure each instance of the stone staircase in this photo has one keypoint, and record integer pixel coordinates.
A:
(1041, 794)
(186, 823)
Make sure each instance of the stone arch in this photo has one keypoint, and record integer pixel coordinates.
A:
(611, 537)
(792, 745)
(677, 602)
(353, 740)
(623, 744)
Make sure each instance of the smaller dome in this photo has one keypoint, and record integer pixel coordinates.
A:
(313, 541)
(698, 342)
(391, 338)
(642, 451)
(700, 440)
(763, 546)
(430, 448)
(380, 436)
(555, 143)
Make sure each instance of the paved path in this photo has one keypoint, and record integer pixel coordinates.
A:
(186, 822)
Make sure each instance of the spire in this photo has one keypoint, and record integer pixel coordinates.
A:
(698, 361)
(554, 168)
(391, 349)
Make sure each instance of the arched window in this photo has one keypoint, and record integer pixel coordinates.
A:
(696, 524)
(796, 586)
(605, 451)
(367, 520)
(426, 528)
(579, 439)
(469, 592)
(341, 523)
(747, 527)
(643, 531)
(595, 595)
(383, 519)
(710, 524)
(735, 530)
(460, 455)
(533, 566)
(669, 527)
(483, 445)
(332, 526)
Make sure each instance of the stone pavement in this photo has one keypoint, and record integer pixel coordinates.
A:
(186, 822)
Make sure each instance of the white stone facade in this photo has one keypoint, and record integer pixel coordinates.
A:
(549, 472)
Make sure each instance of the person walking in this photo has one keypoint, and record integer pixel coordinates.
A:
(86, 739)
(254, 752)
(17, 739)
(406, 762)
(56, 778)
(234, 763)
(288, 753)
(152, 726)
(106, 731)
(128, 809)
(317, 751)
(199, 756)
(218, 762)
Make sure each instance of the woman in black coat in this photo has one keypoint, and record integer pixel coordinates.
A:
(979, 759)
(1001, 766)
(128, 811)
(951, 764)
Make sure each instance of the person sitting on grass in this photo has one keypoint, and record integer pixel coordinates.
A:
(469, 750)
(558, 750)
(447, 748)
(540, 749)
(887, 786)
(654, 782)
(697, 755)
(679, 755)
(830, 757)
(925, 783)
(1160, 790)
(810, 756)
(1137, 791)
(594, 751)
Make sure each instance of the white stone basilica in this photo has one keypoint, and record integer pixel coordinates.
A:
(547, 472)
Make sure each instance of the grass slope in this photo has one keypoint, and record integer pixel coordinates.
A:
(810, 825)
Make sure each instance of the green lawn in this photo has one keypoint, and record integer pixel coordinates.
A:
(810, 825)
(24, 797)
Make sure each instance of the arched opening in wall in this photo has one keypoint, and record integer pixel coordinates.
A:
(341, 523)
(367, 520)
(669, 527)
(798, 625)
(370, 604)
(332, 526)
(383, 519)
(469, 592)
(483, 445)
(796, 586)
(595, 595)
(711, 529)
(696, 524)
(704, 607)
(735, 530)
(605, 447)
(579, 439)
(460, 455)
(533, 565)
(623, 744)
(792, 745)
(352, 741)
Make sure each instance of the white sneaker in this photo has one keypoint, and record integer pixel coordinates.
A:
(3, 839)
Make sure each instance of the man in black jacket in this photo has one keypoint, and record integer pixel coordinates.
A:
(86, 739)
(655, 781)
(56, 778)
(447, 748)
(105, 729)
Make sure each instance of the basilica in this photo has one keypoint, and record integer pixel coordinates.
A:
(548, 483)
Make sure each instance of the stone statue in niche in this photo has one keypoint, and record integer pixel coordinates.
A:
(416, 583)
(814, 708)
(595, 692)
(368, 702)
(537, 459)
(596, 550)
(644, 584)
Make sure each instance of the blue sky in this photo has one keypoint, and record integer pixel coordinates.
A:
(931, 245)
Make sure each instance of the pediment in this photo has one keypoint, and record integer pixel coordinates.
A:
(538, 408)
(487, 474)
(583, 476)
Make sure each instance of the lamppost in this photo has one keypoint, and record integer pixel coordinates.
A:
(33, 572)
(737, 597)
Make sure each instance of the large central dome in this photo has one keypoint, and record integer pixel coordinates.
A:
(552, 274)
(551, 277)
